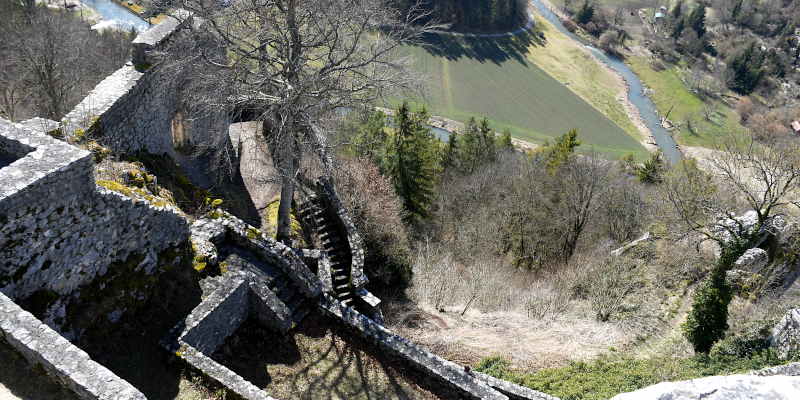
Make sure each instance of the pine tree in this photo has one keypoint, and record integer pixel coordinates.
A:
(585, 14)
(412, 166)
(697, 20)
(488, 152)
(504, 141)
(557, 153)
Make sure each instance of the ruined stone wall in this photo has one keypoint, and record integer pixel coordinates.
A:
(59, 358)
(138, 108)
(59, 231)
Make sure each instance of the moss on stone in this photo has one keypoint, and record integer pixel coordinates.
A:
(253, 233)
(135, 193)
(123, 288)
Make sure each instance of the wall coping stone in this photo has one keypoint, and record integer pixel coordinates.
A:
(428, 363)
(41, 155)
(513, 390)
(105, 95)
(207, 233)
(69, 365)
(223, 375)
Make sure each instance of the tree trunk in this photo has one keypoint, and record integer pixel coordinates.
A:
(285, 208)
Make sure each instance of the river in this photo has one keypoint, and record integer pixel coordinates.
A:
(647, 110)
(117, 14)
(113, 13)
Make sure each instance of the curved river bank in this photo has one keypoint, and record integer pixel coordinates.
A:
(645, 106)
(113, 13)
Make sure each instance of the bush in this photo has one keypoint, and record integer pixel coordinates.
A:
(607, 284)
(753, 340)
(376, 211)
(612, 374)
(708, 320)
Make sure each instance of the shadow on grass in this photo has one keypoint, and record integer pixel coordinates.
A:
(483, 49)
(131, 348)
(320, 360)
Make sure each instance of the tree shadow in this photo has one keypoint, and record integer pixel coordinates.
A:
(483, 49)
(318, 360)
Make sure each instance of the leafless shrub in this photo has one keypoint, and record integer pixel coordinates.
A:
(608, 283)
(51, 59)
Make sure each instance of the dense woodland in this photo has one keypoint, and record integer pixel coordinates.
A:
(474, 14)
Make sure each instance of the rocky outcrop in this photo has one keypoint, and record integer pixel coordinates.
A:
(752, 260)
(733, 387)
(785, 338)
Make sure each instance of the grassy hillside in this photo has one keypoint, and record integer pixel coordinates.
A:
(500, 79)
(670, 93)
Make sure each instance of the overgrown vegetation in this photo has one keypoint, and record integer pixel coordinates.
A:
(612, 374)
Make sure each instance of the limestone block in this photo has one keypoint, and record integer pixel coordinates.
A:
(752, 260)
(733, 387)
(785, 338)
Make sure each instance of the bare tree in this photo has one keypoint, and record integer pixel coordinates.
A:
(49, 59)
(295, 63)
(742, 176)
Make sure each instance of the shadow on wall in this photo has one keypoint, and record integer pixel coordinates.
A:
(131, 348)
(484, 49)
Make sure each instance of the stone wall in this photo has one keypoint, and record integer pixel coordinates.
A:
(134, 109)
(443, 373)
(59, 231)
(218, 316)
(67, 364)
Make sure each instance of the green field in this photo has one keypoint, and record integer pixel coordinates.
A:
(670, 93)
(495, 78)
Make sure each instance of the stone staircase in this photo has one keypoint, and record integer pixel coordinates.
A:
(295, 304)
(332, 239)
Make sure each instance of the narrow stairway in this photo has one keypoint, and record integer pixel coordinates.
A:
(276, 280)
(333, 240)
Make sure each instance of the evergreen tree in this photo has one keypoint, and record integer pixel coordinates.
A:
(677, 29)
(470, 154)
(737, 9)
(697, 20)
(585, 13)
(371, 138)
(488, 151)
(652, 169)
(504, 141)
(450, 154)
(745, 70)
(677, 11)
(557, 153)
(413, 163)
(708, 319)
